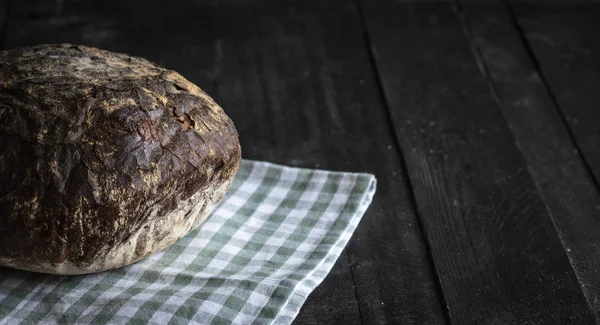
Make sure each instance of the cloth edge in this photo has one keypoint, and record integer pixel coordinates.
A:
(306, 169)
(294, 307)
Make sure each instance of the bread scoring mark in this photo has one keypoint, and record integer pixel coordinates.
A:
(184, 119)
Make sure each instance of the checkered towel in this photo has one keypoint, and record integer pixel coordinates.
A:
(255, 260)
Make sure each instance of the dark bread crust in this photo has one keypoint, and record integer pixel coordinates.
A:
(95, 145)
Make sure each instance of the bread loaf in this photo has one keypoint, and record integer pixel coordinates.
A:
(105, 158)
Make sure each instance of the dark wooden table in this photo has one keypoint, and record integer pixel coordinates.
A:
(479, 118)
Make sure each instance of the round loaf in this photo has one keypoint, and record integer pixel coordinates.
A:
(105, 158)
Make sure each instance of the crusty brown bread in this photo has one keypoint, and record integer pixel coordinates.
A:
(104, 158)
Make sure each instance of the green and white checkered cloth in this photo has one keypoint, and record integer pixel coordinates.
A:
(255, 260)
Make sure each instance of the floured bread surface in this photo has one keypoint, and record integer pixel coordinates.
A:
(104, 158)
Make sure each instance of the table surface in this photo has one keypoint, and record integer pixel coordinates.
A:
(479, 118)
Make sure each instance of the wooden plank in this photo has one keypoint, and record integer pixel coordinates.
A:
(391, 266)
(563, 35)
(560, 174)
(496, 251)
(296, 79)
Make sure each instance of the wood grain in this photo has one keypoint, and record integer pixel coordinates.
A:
(542, 137)
(560, 173)
(495, 247)
(561, 35)
(296, 79)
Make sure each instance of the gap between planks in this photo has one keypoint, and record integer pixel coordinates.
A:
(554, 114)
(510, 239)
(397, 148)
